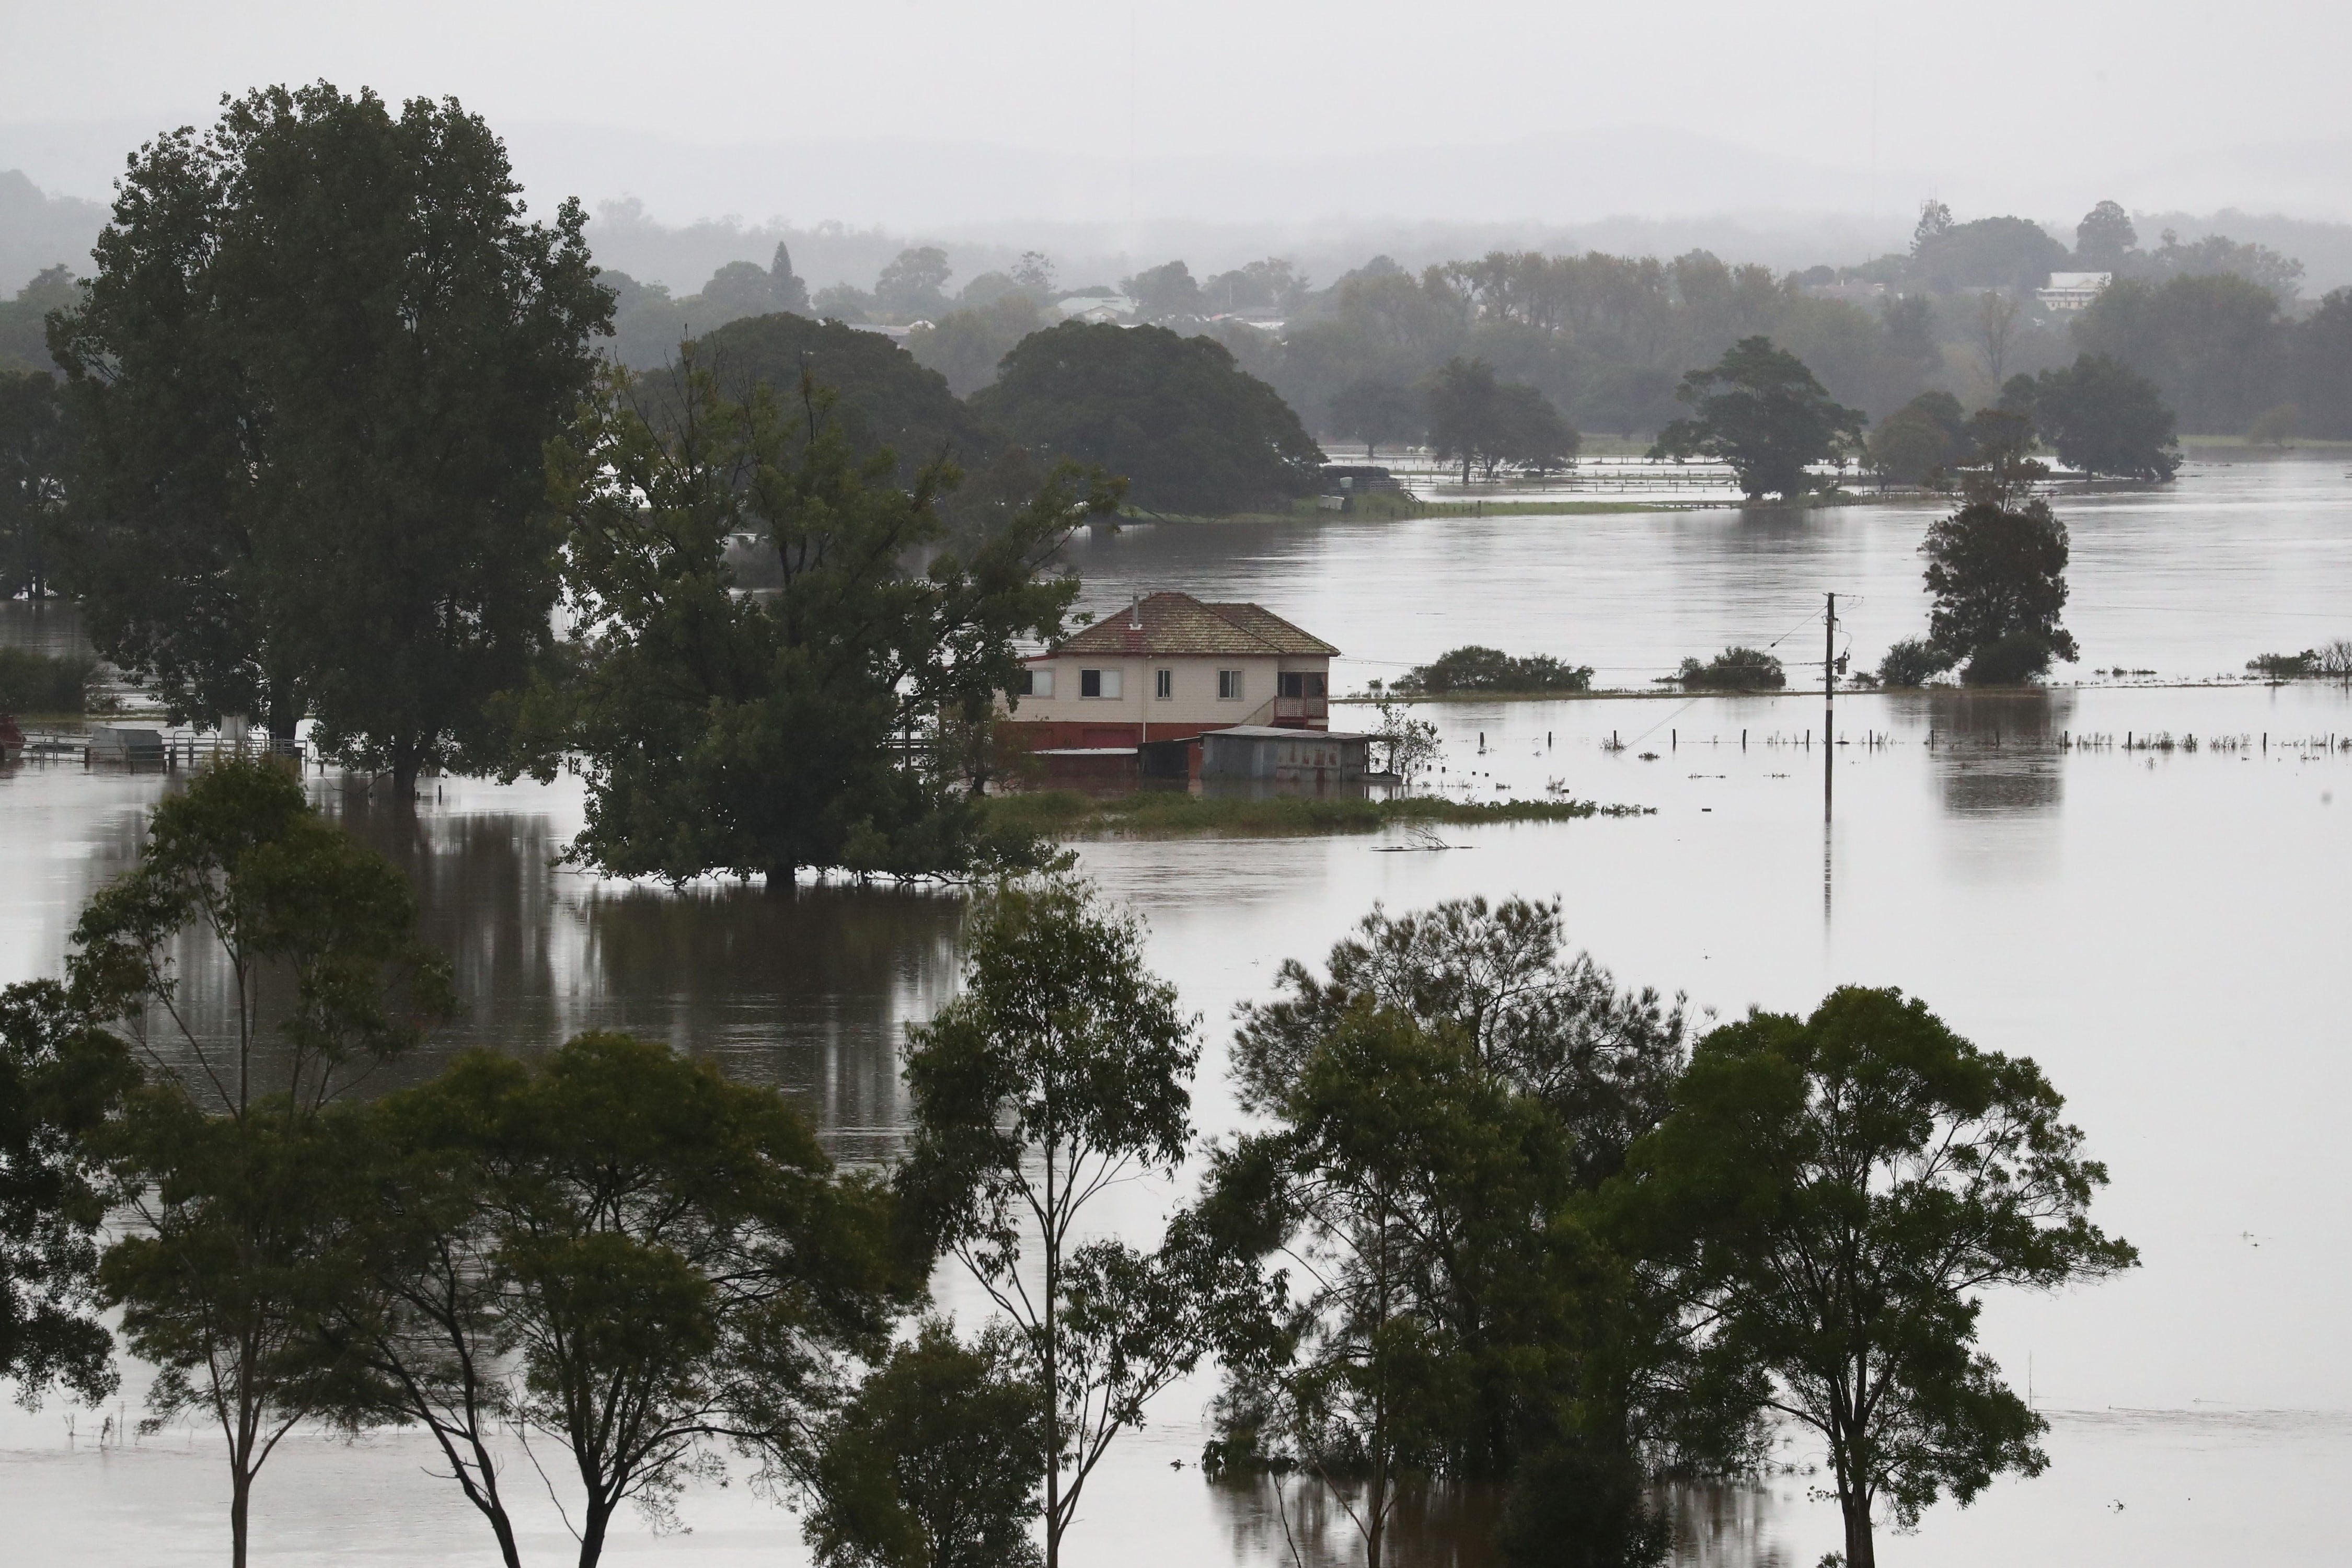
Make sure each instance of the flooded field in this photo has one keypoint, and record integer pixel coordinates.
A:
(2160, 929)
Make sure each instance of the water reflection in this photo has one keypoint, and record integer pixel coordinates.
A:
(1997, 753)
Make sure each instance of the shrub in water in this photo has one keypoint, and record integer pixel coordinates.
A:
(1910, 663)
(42, 682)
(1475, 668)
(2010, 661)
(2284, 665)
(1735, 669)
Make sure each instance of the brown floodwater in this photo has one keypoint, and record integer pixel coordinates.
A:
(2163, 930)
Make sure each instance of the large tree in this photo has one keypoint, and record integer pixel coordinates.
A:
(619, 1252)
(1829, 1200)
(1759, 410)
(1476, 416)
(315, 371)
(761, 734)
(2104, 417)
(1189, 430)
(1060, 1073)
(1997, 564)
(314, 977)
(2212, 344)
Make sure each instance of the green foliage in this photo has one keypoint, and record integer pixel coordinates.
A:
(1378, 413)
(2212, 346)
(1189, 430)
(1829, 1199)
(1734, 670)
(884, 399)
(241, 1248)
(620, 1252)
(2104, 236)
(2104, 419)
(1997, 571)
(315, 373)
(1760, 410)
(1475, 668)
(966, 346)
(913, 284)
(34, 457)
(1920, 440)
(2010, 660)
(59, 1079)
(44, 682)
(2322, 367)
(725, 731)
(23, 332)
(1479, 419)
(1162, 293)
(1911, 662)
(318, 934)
(1057, 1071)
(1988, 253)
(935, 1463)
(1433, 1108)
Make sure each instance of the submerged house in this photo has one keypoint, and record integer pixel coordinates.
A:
(1172, 668)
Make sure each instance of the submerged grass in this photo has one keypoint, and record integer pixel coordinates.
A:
(1171, 812)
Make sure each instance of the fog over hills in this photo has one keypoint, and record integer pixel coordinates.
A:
(673, 209)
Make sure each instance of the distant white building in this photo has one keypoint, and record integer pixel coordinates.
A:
(2072, 290)
(1095, 308)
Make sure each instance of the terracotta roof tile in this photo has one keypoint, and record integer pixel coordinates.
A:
(1178, 624)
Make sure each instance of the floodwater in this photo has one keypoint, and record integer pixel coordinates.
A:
(2161, 929)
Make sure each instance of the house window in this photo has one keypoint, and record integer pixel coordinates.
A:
(1290, 683)
(1229, 686)
(1036, 683)
(1098, 683)
(1163, 684)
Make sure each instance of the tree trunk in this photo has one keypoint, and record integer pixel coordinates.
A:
(405, 766)
(1053, 1378)
(1861, 1550)
(591, 1531)
(240, 1497)
(784, 881)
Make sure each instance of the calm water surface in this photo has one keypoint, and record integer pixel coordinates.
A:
(2164, 932)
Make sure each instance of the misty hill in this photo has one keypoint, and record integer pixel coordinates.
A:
(38, 230)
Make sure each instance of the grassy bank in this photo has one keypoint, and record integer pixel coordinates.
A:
(1066, 813)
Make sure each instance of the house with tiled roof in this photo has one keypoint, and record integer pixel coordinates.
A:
(1169, 667)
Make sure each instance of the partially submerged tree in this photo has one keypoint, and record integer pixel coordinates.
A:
(315, 373)
(34, 455)
(1829, 1200)
(314, 975)
(1480, 419)
(1378, 413)
(1060, 1072)
(760, 734)
(1759, 410)
(2104, 417)
(1997, 566)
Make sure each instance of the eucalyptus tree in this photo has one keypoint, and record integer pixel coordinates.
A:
(310, 975)
(620, 1252)
(1060, 1073)
(1829, 1200)
(1762, 412)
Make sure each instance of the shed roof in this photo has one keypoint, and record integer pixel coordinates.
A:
(1180, 624)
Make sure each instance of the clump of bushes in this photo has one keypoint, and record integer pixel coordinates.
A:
(2333, 658)
(1734, 670)
(2011, 660)
(1911, 662)
(44, 682)
(1475, 668)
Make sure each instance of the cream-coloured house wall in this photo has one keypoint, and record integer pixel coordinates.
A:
(1194, 700)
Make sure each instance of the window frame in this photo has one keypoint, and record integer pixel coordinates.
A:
(1229, 686)
(1163, 685)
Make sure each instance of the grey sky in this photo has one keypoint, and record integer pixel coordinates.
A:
(1215, 109)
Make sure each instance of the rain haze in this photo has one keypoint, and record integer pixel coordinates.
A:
(1651, 708)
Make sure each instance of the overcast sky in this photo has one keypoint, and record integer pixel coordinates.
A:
(2040, 107)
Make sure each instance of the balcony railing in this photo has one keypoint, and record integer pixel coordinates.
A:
(1300, 708)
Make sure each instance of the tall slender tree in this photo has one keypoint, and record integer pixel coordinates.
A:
(316, 369)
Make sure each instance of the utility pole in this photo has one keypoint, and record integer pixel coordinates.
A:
(1828, 708)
